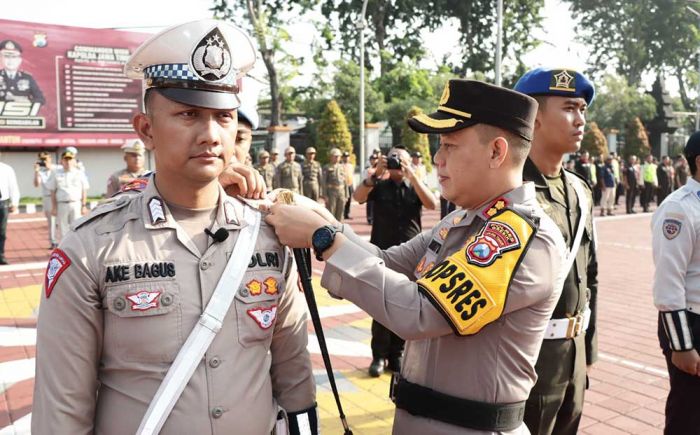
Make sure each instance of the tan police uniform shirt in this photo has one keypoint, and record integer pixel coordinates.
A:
(268, 173)
(69, 185)
(121, 178)
(333, 180)
(312, 179)
(124, 291)
(495, 365)
(288, 176)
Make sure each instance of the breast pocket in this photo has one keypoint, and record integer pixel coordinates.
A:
(144, 321)
(256, 308)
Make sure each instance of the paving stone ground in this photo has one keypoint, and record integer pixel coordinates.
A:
(628, 384)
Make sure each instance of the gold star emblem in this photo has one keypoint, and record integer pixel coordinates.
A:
(562, 81)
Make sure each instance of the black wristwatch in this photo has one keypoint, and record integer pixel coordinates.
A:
(322, 239)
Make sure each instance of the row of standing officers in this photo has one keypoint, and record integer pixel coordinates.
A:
(332, 182)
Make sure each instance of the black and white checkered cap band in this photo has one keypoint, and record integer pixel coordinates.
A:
(180, 71)
(680, 337)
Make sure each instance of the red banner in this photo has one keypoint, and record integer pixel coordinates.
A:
(65, 86)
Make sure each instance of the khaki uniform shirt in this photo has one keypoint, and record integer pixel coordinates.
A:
(268, 173)
(131, 288)
(120, 178)
(288, 176)
(312, 175)
(69, 185)
(333, 180)
(495, 365)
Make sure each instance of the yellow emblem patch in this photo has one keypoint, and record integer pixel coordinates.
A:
(445, 94)
(470, 286)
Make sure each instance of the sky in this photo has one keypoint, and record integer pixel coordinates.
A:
(558, 49)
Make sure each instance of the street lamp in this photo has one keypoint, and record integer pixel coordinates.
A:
(499, 40)
(697, 99)
(361, 24)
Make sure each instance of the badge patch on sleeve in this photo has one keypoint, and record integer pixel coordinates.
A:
(671, 228)
(58, 263)
(470, 289)
(264, 317)
(493, 240)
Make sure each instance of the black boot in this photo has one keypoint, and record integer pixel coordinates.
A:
(376, 368)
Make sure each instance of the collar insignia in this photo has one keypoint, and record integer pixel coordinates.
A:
(211, 58)
(496, 206)
(443, 232)
(155, 208)
(143, 300)
(264, 317)
(562, 81)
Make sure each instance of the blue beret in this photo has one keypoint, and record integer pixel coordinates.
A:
(556, 82)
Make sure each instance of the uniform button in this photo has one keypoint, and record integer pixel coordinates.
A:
(244, 292)
(214, 362)
(217, 412)
(166, 300)
(204, 265)
(119, 304)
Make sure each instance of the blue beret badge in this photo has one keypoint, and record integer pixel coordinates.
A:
(562, 80)
(671, 228)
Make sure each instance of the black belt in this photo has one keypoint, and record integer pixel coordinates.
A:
(425, 402)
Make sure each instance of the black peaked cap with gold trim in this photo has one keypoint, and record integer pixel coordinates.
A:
(469, 102)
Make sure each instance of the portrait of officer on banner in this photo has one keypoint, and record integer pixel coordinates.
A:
(20, 95)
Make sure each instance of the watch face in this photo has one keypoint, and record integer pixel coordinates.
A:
(322, 238)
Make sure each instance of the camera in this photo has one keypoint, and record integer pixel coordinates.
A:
(41, 163)
(393, 162)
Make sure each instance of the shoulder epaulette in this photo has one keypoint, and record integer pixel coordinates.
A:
(106, 207)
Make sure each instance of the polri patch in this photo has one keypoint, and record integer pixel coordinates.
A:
(264, 317)
(58, 263)
(671, 228)
(144, 300)
(494, 239)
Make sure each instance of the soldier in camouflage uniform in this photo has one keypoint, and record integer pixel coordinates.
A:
(311, 170)
(333, 187)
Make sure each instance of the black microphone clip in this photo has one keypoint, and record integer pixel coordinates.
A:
(219, 236)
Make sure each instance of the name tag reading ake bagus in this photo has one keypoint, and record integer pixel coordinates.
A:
(470, 287)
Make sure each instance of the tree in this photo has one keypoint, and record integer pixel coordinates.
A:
(477, 24)
(636, 140)
(594, 141)
(387, 21)
(332, 131)
(266, 19)
(617, 104)
(346, 83)
(405, 86)
(414, 141)
(641, 36)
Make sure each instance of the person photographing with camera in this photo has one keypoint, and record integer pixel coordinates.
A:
(43, 168)
(398, 201)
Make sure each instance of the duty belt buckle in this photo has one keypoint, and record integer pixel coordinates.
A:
(575, 326)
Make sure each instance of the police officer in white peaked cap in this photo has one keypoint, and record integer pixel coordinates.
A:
(175, 310)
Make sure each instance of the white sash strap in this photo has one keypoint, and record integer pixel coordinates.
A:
(191, 353)
(583, 206)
